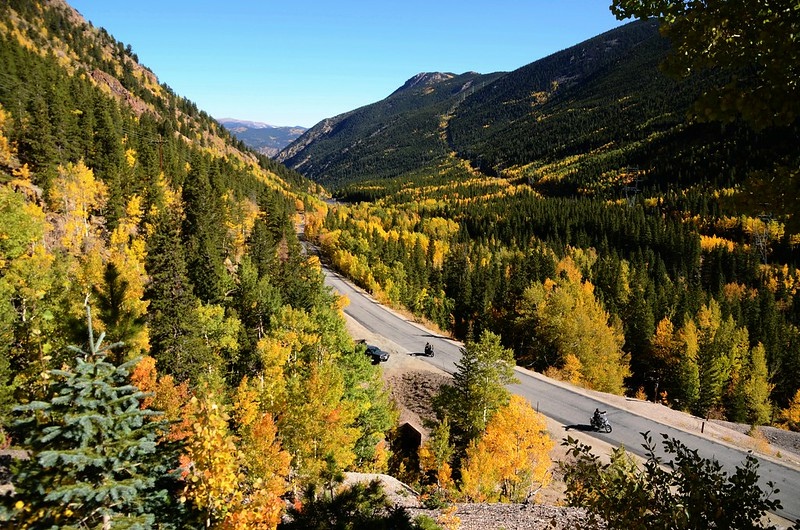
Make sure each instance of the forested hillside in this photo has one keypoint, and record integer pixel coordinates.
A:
(402, 132)
(123, 202)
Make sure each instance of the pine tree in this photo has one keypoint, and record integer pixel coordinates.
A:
(478, 389)
(203, 233)
(94, 459)
(174, 333)
(120, 321)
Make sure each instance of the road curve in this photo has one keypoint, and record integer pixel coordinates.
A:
(558, 401)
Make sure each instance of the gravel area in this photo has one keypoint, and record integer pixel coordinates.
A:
(780, 440)
(516, 517)
(476, 516)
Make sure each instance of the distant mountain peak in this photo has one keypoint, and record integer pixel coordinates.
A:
(245, 123)
(426, 79)
(261, 137)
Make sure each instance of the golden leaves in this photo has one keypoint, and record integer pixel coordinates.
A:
(511, 460)
(77, 196)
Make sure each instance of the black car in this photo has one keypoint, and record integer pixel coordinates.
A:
(377, 354)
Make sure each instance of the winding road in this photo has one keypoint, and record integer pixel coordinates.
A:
(558, 401)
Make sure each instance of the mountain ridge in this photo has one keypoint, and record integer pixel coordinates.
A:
(381, 137)
(484, 105)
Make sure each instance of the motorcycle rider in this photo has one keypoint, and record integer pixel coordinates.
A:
(428, 349)
(598, 417)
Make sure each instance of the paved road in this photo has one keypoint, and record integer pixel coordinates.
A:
(558, 402)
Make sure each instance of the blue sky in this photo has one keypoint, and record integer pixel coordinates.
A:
(296, 62)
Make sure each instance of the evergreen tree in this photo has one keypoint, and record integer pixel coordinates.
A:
(94, 459)
(478, 389)
(639, 328)
(257, 302)
(174, 335)
(120, 322)
(203, 231)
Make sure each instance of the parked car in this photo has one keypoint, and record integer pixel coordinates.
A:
(377, 354)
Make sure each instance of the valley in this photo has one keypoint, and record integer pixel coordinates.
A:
(186, 324)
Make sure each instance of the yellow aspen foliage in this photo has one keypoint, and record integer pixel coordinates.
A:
(510, 462)
(89, 273)
(220, 332)
(448, 518)
(341, 302)
(130, 157)
(711, 242)
(127, 252)
(380, 462)
(435, 456)
(442, 471)
(266, 461)
(296, 332)
(565, 313)
(267, 464)
(272, 383)
(168, 199)
(240, 217)
(77, 195)
(316, 424)
(771, 229)
(210, 468)
(31, 278)
(22, 182)
(263, 511)
(440, 250)
(245, 404)
(571, 371)
(313, 224)
(22, 226)
(790, 416)
(666, 348)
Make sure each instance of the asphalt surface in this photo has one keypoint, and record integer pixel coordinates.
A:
(559, 403)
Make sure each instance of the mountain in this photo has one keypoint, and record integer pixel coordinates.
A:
(601, 106)
(387, 138)
(261, 137)
(435, 114)
(478, 202)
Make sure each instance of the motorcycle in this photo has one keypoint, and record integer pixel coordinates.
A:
(600, 423)
(428, 350)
